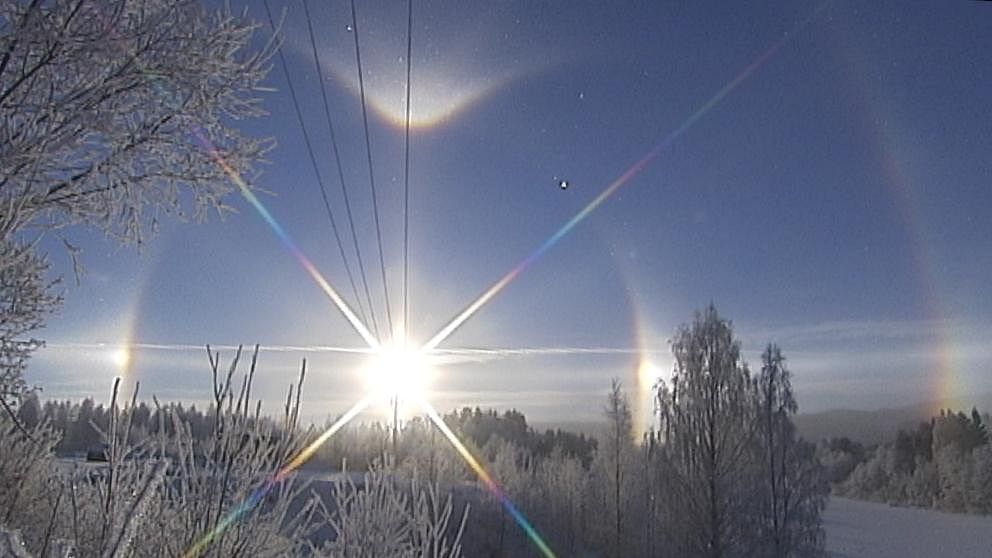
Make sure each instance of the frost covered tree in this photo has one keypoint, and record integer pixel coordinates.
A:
(980, 487)
(24, 298)
(775, 405)
(615, 461)
(164, 491)
(839, 457)
(794, 484)
(708, 427)
(563, 481)
(114, 114)
(512, 468)
(737, 479)
(944, 463)
(384, 518)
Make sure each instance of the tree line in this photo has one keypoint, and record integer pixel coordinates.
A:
(722, 473)
(945, 463)
(99, 99)
(82, 424)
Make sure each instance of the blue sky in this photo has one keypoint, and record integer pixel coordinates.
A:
(835, 201)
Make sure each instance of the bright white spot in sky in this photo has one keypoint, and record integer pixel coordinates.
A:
(648, 373)
(120, 356)
(438, 93)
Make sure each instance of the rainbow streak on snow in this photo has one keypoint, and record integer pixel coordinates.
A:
(488, 481)
(620, 181)
(260, 492)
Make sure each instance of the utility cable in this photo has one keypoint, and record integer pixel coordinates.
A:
(337, 160)
(406, 174)
(313, 162)
(368, 152)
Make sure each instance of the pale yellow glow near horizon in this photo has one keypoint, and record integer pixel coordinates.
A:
(121, 357)
(648, 373)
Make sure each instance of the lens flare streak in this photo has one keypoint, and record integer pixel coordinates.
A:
(252, 501)
(290, 245)
(287, 240)
(260, 492)
(620, 181)
(488, 481)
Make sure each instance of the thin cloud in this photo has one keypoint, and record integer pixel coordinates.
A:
(482, 355)
(181, 347)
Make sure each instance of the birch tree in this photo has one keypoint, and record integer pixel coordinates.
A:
(708, 429)
(113, 114)
(614, 461)
(794, 483)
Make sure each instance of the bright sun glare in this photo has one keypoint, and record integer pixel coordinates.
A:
(397, 369)
(121, 357)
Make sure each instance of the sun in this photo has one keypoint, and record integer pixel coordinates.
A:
(399, 369)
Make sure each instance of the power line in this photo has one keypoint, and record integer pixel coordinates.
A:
(313, 162)
(368, 151)
(406, 174)
(337, 160)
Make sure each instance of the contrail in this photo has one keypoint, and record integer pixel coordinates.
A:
(479, 355)
(182, 347)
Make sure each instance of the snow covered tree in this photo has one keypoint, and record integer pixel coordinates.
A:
(29, 412)
(794, 482)
(114, 114)
(615, 459)
(512, 468)
(775, 404)
(380, 517)
(839, 457)
(563, 484)
(707, 424)
(981, 480)
(24, 299)
(954, 475)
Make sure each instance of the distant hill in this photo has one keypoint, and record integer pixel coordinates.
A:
(867, 427)
(880, 425)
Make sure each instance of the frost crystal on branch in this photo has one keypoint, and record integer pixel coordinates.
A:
(113, 114)
(24, 298)
(111, 109)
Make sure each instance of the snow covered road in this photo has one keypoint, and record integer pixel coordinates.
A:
(867, 530)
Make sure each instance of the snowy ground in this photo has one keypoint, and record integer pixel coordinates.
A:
(863, 529)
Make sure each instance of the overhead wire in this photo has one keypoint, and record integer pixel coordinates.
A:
(368, 152)
(337, 160)
(406, 174)
(313, 162)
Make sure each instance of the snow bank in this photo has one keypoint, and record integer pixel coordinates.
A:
(863, 529)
